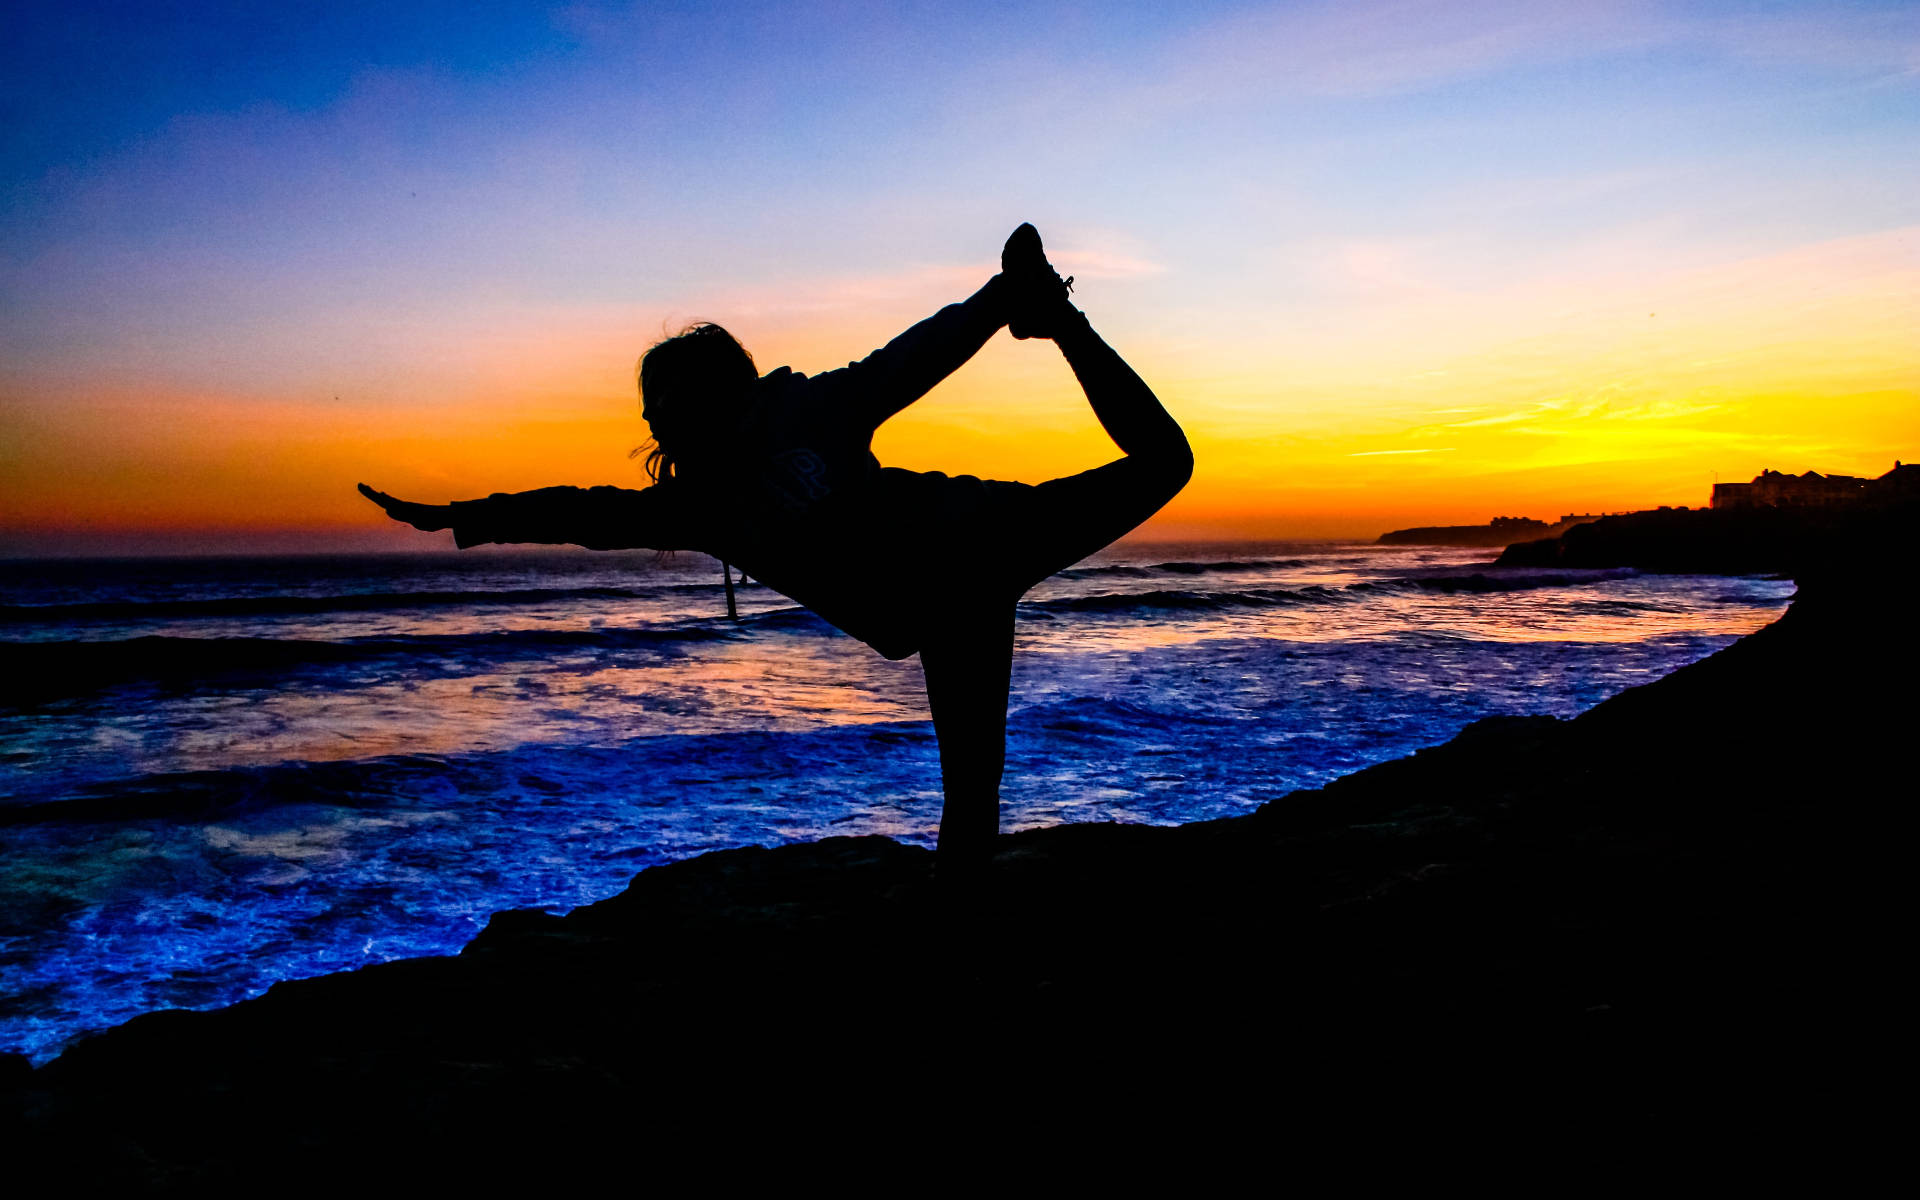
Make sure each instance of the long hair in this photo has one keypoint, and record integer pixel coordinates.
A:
(689, 383)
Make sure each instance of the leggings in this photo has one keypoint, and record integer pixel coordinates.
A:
(1032, 533)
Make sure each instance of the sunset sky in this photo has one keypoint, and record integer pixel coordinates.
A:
(1390, 263)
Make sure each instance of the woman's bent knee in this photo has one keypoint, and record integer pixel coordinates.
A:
(1177, 465)
(1166, 470)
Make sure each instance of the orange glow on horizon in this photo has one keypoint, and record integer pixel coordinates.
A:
(1616, 391)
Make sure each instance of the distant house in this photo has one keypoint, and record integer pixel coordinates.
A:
(1901, 483)
(1519, 525)
(1776, 489)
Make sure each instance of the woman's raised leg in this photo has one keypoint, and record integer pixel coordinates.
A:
(1062, 521)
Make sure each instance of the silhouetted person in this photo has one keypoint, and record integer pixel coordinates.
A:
(776, 473)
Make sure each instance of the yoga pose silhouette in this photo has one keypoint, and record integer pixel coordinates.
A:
(776, 473)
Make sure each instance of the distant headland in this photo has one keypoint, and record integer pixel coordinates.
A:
(1501, 531)
(1774, 507)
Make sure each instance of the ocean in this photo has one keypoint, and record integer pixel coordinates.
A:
(219, 773)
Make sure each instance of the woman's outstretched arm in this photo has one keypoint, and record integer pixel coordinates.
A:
(601, 518)
(907, 368)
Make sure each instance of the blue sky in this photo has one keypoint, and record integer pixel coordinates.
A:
(282, 206)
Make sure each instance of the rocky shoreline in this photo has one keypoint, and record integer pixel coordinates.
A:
(1665, 915)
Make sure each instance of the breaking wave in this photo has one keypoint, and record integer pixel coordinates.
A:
(34, 671)
(352, 602)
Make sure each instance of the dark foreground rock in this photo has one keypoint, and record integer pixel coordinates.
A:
(1671, 917)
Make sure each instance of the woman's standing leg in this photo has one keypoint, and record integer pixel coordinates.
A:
(1035, 532)
(968, 664)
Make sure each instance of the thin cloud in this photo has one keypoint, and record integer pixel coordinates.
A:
(1342, 50)
(1347, 50)
(1102, 264)
(1374, 453)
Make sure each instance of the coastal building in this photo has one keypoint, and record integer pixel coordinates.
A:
(1773, 489)
(1901, 483)
(1776, 489)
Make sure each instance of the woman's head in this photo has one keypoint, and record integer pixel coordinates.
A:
(691, 386)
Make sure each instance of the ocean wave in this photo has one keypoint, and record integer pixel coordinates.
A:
(400, 601)
(36, 671)
(1195, 600)
(381, 783)
(189, 795)
(1480, 581)
(1219, 567)
(1105, 716)
(1183, 600)
(791, 619)
(31, 672)
(350, 602)
(1626, 608)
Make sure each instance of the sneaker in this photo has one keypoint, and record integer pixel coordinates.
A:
(1039, 294)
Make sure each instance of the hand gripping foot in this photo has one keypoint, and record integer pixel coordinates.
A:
(1038, 295)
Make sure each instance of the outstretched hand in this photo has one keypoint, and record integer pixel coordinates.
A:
(429, 517)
